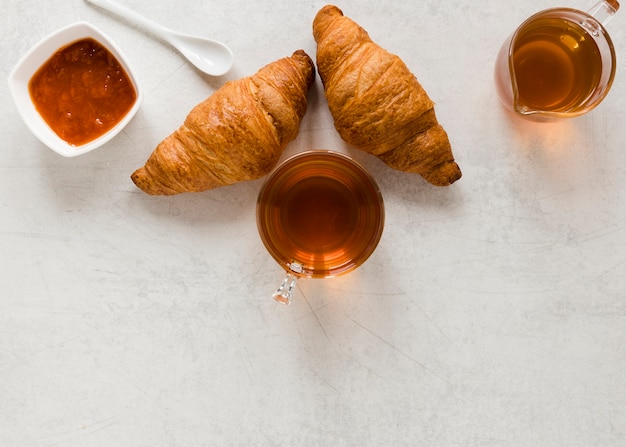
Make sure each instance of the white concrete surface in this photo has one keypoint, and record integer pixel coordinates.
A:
(493, 313)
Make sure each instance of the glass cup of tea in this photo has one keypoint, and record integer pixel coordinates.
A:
(559, 63)
(320, 214)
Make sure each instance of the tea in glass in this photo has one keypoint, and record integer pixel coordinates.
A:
(558, 63)
(320, 214)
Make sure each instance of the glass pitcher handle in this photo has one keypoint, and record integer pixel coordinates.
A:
(284, 293)
(603, 11)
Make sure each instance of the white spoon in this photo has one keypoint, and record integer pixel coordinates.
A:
(209, 56)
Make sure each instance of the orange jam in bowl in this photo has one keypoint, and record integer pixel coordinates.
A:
(68, 90)
(82, 91)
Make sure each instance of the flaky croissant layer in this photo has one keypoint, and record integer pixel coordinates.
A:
(236, 134)
(377, 103)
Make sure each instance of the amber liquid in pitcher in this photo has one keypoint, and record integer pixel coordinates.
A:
(320, 216)
(557, 65)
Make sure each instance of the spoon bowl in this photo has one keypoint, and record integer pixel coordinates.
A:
(207, 55)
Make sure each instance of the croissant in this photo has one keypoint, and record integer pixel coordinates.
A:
(377, 104)
(238, 133)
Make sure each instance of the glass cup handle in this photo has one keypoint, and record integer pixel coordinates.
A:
(604, 10)
(284, 293)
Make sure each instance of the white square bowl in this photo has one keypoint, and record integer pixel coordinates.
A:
(39, 54)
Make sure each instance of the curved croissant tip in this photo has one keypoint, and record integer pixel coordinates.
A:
(328, 10)
(445, 175)
(142, 179)
(302, 54)
(323, 18)
(331, 8)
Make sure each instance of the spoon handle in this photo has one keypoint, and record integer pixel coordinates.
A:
(132, 16)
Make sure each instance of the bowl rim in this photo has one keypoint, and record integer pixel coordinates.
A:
(40, 53)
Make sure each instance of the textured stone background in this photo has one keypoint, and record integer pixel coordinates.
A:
(492, 314)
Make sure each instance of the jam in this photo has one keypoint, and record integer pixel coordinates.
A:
(82, 91)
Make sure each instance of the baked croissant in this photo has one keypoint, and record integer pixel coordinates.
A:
(236, 134)
(377, 104)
